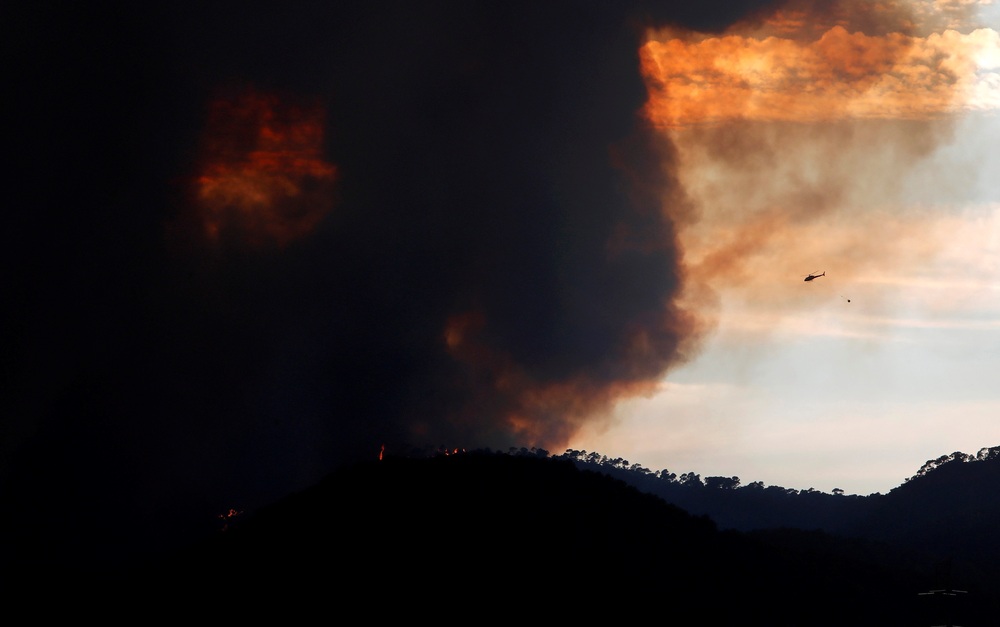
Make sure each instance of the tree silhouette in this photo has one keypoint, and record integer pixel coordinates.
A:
(722, 483)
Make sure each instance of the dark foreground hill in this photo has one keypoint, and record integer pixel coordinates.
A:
(489, 536)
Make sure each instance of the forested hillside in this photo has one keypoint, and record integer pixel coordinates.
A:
(532, 533)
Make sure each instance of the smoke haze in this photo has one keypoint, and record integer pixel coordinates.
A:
(252, 243)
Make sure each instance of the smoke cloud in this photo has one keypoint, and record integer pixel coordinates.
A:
(302, 234)
(799, 136)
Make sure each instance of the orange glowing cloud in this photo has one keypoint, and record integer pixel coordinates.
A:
(262, 174)
(696, 80)
(802, 141)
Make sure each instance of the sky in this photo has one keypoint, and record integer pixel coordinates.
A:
(252, 242)
(809, 146)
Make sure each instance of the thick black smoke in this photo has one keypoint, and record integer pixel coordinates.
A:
(494, 264)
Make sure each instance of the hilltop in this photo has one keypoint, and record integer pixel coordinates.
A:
(482, 531)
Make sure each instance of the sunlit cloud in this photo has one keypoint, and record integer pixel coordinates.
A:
(803, 141)
(839, 75)
(938, 285)
(776, 326)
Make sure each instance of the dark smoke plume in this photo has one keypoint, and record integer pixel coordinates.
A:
(249, 242)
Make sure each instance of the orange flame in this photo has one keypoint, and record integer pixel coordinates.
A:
(228, 517)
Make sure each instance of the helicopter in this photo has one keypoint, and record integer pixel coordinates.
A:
(813, 275)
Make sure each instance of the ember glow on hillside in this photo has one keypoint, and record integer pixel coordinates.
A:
(264, 175)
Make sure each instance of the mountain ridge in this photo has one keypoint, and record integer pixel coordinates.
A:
(460, 530)
(553, 538)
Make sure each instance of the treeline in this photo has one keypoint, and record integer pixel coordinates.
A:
(693, 479)
(732, 504)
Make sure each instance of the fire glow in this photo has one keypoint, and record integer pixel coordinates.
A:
(840, 74)
(263, 175)
(228, 517)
